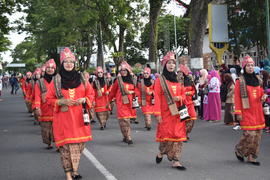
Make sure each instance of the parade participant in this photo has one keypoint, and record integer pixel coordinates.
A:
(27, 90)
(91, 80)
(123, 90)
(190, 91)
(36, 77)
(43, 70)
(203, 90)
(146, 96)
(228, 99)
(70, 95)
(212, 112)
(101, 98)
(110, 83)
(42, 109)
(169, 96)
(248, 108)
(1, 86)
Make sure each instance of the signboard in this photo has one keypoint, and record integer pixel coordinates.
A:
(218, 23)
(16, 65)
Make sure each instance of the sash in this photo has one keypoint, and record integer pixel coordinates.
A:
(168, 96)
(143, 93)
(43, 89)
(244, 94)
(98, 88)
(125, 99)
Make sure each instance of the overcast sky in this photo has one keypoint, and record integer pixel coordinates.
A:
(16, 38)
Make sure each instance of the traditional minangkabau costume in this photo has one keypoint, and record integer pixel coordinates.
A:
(248, 105)
(70, 132)
(42, 108)
(190, 91)
(123, 90)
(36, 77)
(102, 105)
(146, 97)
(171, 131)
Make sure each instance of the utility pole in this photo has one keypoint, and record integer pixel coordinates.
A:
(267, 29)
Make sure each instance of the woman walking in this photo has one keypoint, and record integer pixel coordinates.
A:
(101, 98)
(229, 101)
(42, 108)
(123, 90)
(70, 95)
(146, 96)
(169, 96)
(249, 96)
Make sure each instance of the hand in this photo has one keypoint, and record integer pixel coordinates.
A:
(177, 98)
(264, 97)
(80, 101)
(159, 119)
(239, 117)
(37, 112)
(150, 93)
(130, 92)
(66, 102)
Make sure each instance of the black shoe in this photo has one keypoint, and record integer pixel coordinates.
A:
(158, 159)
(240, 158)
(185, 141)
(49, 147)
(148, 128)
(182, 168)
(111, 112)
(77, 176)
(129, 142)
(136, 122)
(254, 163)
(101, 128)
(124, 140)
(93, 122)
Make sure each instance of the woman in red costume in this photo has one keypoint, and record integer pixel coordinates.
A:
(27, 89)
(123, 90)
(36, 78)
(249, 96)
(169, 96)
(146, 96)
(70, 95)
(190, 91)
(101, 98)
(42, 108)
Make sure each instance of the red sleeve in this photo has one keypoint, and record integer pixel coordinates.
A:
(89, 95)
(113, 91)
(51, 97)
(37, 99)
(237, 98)
(157, 96)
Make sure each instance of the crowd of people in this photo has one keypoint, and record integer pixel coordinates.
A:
(65, 103)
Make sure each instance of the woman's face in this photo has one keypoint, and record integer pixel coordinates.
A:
(171, 65)
(38, 76)
(146, 74)
(249, 68)
(124, 72)
(100, 74)
(50, 70)
(68, 64)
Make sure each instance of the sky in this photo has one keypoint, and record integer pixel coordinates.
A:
(15, 38)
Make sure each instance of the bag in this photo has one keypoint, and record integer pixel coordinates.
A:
(223, 93)
(135, 103)
(266, 110)
(183, 111)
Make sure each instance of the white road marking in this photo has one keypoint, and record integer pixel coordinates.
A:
(98, 165)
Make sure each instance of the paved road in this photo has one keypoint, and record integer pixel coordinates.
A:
(209, 156)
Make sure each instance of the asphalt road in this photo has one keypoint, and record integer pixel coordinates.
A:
(208, 156)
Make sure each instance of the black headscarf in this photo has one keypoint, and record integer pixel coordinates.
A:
(147, 81)
(187, 81)
(128, 78)
(69, 79)
(170, 76)
(251, 79)
(48, 77)
(101, 82)
(28, 80)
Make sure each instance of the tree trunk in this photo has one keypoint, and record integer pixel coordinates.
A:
(121, 38)
(155, 6)
(89, 52)
(100, 58)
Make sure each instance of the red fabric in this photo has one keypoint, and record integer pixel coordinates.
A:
(189, 102)
(68, 127)
(252, 118)
(124, 111)
(148, 108)
(247, 59)
(170, 129)
(167, 57)
(102, 102)
(23, 85)
(45, 107)
(28, 91)
(66, 53)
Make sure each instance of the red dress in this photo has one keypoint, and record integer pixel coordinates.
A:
(68, 127)
(189, 102)
(148, 108)
(102, 102)
(28, 91)
(252, 118)
(170, 129)
(124, 111)
(45, 107)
